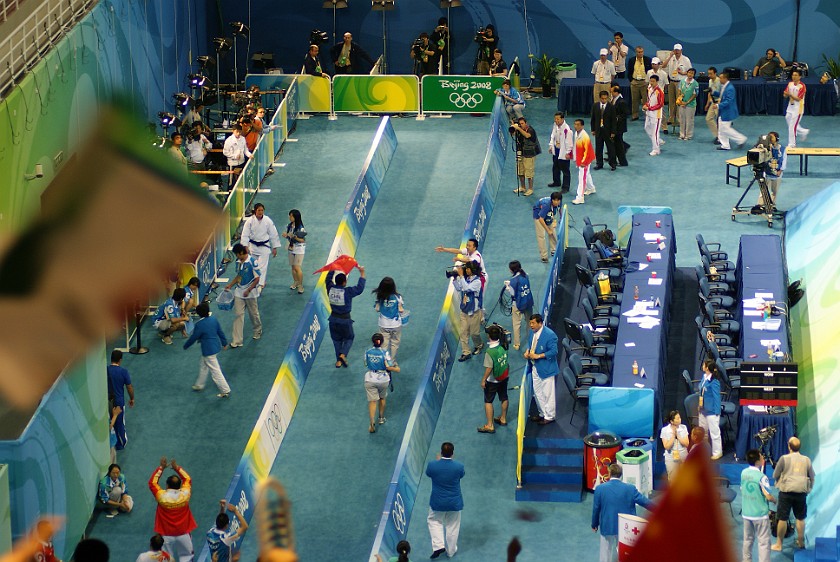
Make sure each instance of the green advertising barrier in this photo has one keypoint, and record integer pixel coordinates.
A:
(379, 94)
(460, 94)
(5, 510)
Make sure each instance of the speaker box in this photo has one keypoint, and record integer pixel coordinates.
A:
(734, 72)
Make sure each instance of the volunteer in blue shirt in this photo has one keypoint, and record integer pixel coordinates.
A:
(519, 288)
(341, 302)
(378, 378)
(169, 317)
(220, 539)
(611, 498)
(512, 99)
(468, 284)
(245, 294)
(209, 333)
(546, 213)
(710, 406)
(118, 382)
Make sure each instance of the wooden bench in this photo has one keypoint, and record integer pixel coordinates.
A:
(804, 153)
(736, 163)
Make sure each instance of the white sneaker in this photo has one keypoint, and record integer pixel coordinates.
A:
(805, 134)
(654, 153)
(589, 191)
(661, 142)
(577, 201)
(790, 146)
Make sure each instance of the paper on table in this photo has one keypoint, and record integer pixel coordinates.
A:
(639, 385)
(752, 312)
(770, 325)
(653, 236)
(657, 281)
(647, 322)
(638, 319)
(655, 255)
(630, 344)
(765, 343)
(633, 312)
(765, 296)
(643, 266)
(754, 303)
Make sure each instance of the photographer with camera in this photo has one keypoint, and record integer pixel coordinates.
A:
(425, 56)
(527, 149)
(495, 379)
(512, 99)
(442, 40)
(773, 168)
(770, 65)
(467, 281)
(487, 44)
(197, 146)
(794, 476)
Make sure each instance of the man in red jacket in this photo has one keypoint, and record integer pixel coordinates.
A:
(173, 518)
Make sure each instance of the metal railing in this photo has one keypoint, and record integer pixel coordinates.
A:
(22, 47)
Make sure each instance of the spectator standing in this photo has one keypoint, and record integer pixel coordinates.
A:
(220, 539)
(545, 214)
(604, 72)
(389, 305)
(638, 69)
(209, 333)
(113, 496)
(246, 293)
(169, 317)
(119, 380)
(155, 552)
(611, 498)
(260, 236)
(235, 150)
(542, 365)
(561, 146)
(173, 517)
(445, 502)
(347, 57)
(711, 102)
(341, 303)
(528, 145)
(794, 476)
(674, 437)
(618, 54)
(727, 109)
(519, 287)
(709, 415)
(755, 509)
(197, 147)
(380, 365)
(495, 379)
(687, 104)
(296, 235)
(677, 66)
(250, 134)
(584, 155)
(468, 284)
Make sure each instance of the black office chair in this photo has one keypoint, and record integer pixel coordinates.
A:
(578, 392)
(585, 278)
(715, 287)
(720, 320)
(589, 362)
(588, 235)
(725, 492)
(601, 309)
(691, 385)
(718, 274)
(609, 266)
(609, 323)
(583, 336)
(705, 247)
(715, 296)
(707, 336)
(584, 375)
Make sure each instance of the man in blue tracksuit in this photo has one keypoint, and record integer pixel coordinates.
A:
(341, 302)
(611, 498)
(209, 333)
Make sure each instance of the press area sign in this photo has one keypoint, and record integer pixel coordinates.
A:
(460, 94)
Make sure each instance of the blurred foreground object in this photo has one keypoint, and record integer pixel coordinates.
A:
(115, 220)
(275, 531)
(30, 547)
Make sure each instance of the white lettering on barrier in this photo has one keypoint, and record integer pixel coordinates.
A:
(307, 347)
(439, 376)
(361, 207)
(465, 85)
(478, 230)
(398, 514)
(242, 505)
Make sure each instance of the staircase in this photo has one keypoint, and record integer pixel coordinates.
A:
(826, 549)
(552, 470)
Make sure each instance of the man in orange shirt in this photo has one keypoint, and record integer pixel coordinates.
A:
(653, 113)
(584, 155)
(173, 518)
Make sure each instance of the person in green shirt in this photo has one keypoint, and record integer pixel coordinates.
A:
(755, 509)
(495, 379)
(687, 104)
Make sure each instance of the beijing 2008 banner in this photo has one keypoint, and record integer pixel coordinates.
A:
(460, 94)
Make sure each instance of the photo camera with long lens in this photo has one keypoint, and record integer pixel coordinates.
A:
(504, 335)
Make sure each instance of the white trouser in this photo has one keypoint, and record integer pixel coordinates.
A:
(261, 254)
(609, 548)
(794, 128)
(652, 122)
(444, 527)
(210, 363)
(712, 425)
(179, 547)
(759, 529)
(584, 180)
(391, 340)
(544, 395)
(727, 133)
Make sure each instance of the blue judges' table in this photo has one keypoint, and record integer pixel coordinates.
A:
(761, 272)
(646, 346)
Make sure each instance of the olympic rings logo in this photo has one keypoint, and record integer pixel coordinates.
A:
(398, 514)
(461, 100)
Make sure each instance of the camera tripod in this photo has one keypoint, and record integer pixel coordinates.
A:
(767, 208)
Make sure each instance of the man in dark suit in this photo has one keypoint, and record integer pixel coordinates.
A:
(445, 502)
(611, 498)
(620, 108)
(542, 365)
(349, 58)
(312, 63)
(602, 126)
(637, 68)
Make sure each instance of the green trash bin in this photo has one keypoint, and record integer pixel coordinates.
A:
(636, 469)
(565, 70)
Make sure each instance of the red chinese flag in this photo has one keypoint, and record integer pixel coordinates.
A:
(343, 263)
(691, 502)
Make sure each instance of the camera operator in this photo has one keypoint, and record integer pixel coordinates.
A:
(442, 41)
(467, 282)
(498, 66)
(487, 44)
(514, 104)
(770, 65)
(527, 145)
(347, 57)
(197, 147)
(773, 170)
(425, 56)
(312, 63)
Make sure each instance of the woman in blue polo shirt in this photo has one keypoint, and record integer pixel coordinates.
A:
(710, 406)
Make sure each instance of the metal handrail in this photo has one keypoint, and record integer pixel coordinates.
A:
(34, 37)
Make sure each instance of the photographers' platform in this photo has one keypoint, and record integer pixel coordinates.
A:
(804, 153)
(736, 163)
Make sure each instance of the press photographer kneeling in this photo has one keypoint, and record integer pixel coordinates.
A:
(467, 282)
